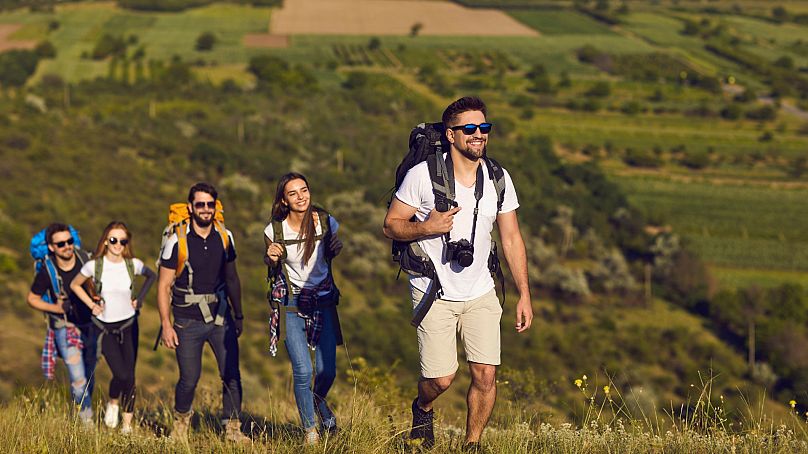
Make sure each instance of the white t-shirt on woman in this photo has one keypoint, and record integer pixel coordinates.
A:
(115, 288)
(316, 269)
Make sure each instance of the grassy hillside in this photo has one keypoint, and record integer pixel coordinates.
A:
(607, 141)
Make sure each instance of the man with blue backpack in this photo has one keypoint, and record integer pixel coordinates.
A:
(70, 333)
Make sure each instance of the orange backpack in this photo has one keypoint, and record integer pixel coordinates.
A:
(179, 222)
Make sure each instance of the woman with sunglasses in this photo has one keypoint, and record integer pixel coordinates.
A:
(115, 309)
(301, 240)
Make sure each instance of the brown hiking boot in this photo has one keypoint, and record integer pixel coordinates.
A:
(182, 422)
(232, 432)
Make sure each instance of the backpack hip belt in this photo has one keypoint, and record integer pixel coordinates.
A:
(117, 332)
(203, 300)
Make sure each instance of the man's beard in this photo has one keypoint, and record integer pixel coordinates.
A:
(470, 155)
(65, 255)
(202, 222)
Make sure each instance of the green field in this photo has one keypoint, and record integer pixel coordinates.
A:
(750, 233)
(550, 22)
(163, 35)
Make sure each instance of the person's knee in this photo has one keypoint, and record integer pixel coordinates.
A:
(441, 384)
(78, 383)
(484, 378)
(73, 357)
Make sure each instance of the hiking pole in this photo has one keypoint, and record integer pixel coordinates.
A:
(159, 338)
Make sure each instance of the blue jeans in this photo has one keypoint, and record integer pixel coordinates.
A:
(80, 370)
(192, 335)
(325, 362)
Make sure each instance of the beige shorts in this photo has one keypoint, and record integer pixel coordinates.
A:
(477, 322)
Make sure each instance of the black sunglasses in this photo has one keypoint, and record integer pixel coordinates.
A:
(200, 205)
(61, 244)
(471, 128)
(113, 240)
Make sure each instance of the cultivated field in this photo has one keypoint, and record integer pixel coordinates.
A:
(6, 30)
(391, 17)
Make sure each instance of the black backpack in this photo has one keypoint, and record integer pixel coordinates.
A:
(428, 143)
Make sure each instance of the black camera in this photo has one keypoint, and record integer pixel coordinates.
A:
(461, 251)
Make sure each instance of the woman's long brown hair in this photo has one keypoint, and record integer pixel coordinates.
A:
(101, 249)
(280, 211)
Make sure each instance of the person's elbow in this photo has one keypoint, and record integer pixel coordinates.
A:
(31, 299)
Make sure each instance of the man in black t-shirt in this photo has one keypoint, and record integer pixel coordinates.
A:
(71, 334)
(198, 295)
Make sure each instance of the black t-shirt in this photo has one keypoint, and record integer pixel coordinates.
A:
(207, 258)
(80, 315)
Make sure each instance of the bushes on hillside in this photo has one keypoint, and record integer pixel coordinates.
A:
(108, 45)
(205, 41)
(273, 71)
(16, 66)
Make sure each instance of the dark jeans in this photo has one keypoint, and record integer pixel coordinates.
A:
(120, 351)
(89, 355)
(192, 335)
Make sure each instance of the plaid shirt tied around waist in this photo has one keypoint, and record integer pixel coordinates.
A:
(49, 350)
(308, 308)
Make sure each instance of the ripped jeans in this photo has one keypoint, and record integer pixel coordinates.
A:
(80, 363)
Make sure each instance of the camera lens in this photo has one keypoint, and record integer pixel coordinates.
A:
(464, 258)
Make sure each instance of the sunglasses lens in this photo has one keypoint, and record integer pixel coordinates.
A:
(200, 205)
(124, 242)
(64, 243)
(113, 240)
(485, 128)
(469, 129)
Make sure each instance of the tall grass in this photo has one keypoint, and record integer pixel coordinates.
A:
(42, 420)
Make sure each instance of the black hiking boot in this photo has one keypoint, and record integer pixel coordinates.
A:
(422, 426)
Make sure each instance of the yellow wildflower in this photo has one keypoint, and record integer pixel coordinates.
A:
(579, 382)
(793, 403)
(606, 389)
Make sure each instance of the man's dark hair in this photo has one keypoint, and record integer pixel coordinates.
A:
(465, 104)
(202, 187)
(53, 229)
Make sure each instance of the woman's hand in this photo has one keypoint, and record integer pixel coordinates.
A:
(98, 308)
(135, 304)
(274, 252)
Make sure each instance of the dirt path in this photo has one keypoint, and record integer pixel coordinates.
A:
(391, 17)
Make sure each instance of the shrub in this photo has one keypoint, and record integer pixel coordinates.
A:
(695, 160)
(16, 66)
(641, 158)
(45, 49)
(601, 89)
(732, 112)
(205, 41)
(764, 113)
(108, 45)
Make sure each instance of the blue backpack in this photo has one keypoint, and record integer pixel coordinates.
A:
(42, 258)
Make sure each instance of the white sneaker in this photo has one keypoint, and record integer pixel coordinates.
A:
(86, 417)
(126, 430)
(111, 416)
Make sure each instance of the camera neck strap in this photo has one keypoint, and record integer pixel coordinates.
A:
(479, 187)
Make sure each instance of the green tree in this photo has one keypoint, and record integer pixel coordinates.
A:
(205, 41)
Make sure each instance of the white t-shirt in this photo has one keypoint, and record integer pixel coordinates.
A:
(316, 270)
(115, 288)
(459, 284)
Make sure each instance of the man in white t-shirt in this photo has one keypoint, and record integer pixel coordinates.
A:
(468, 304)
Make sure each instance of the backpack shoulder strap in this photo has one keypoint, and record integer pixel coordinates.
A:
(182, 246)
(130, 269)
(219, 226)
(497, 175)
(53, 275)
(99, 270)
